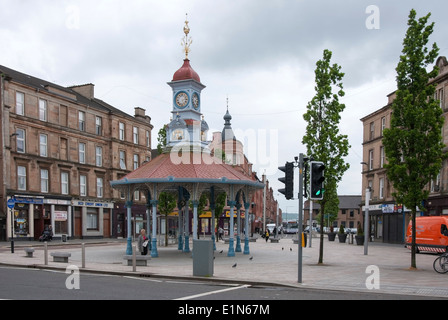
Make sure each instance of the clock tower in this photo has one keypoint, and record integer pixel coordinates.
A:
(188, 125)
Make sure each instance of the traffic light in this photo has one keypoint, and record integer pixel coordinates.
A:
(317, 180)
(288, 180)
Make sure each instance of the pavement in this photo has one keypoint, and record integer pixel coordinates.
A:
(386, 268)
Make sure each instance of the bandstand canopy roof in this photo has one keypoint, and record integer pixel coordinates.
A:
(193, 167)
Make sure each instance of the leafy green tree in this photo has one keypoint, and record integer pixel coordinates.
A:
(167, 203)
(161, 139)
(322, 138)
(413, 143)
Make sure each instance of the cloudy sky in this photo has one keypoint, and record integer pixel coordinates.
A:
(261, 54)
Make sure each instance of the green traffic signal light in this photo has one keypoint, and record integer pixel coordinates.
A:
(317, 180)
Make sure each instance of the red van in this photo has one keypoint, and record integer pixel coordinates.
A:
(431, 234)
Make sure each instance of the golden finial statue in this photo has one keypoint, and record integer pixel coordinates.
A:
(187, 41)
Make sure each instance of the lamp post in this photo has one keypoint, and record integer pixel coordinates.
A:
(367, 220)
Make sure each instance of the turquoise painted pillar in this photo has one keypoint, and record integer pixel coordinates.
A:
(181, 228)
(246, 228)
(187, 228)
(154, 252)
(195, 219)
(128, 206)
(212, 208)
(231, 252)
(238, 229)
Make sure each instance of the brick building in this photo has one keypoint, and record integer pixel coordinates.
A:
(61, 147)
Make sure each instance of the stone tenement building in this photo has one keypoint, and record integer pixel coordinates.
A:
(61, 147)
(389, 219)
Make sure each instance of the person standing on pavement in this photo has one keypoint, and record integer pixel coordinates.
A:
(143, 242)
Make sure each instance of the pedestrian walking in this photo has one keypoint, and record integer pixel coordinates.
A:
(220, 233)
(267, 235)
(143, 241)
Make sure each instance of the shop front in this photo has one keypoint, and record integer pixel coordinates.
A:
(92, 220)
(388, 222)
(224, 222)
(31, 216)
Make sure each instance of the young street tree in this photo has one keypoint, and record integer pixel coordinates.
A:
(322, 138)
(413, 143)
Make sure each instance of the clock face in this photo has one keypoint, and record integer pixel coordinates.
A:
(181, 99)
(195, 100)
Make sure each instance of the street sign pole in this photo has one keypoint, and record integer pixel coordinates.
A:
(11, 203)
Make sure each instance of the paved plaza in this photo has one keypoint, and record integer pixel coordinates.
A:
(345, 266)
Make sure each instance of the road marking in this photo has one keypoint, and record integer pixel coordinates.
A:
(212, 292)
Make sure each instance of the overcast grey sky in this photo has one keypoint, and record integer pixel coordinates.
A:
(259, 53)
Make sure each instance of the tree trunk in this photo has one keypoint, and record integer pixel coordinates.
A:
(413, 246)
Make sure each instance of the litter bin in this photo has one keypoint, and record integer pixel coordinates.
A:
(64, 238)
(203, 258)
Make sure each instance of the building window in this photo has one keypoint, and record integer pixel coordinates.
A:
(122, 160)
(148, 139)
(441, 99)
(99, 187)
(20, 140)
(20, 103)
(83, 185)
(82, 120)
(42, 110)
(137, 195)
(99, 156)
(135, 135)
(136, 161)
(383, 125)
(82, 152)
(98, 125)
(372, 130)
(21, 178)
(43, 143)
(64, 183)
(121, 132)
(92, 219)
(370, 159)
(381, 188)
(382, 157)
(44, 180)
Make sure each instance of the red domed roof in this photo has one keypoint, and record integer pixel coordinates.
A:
(186, 72)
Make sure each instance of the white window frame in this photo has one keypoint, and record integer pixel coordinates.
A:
(122, 159)
(21, 178)
(82, 152)
(99, 156)
(64, 182)
(43, 110)
(44, 179)
(43, 145)
(136, 161)
(83, 185)
(135, 135)
(98, 125)
(381, 193)
(121, 131)
(20, 103)
(99, 187)
(21, 139)
(82, 121)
